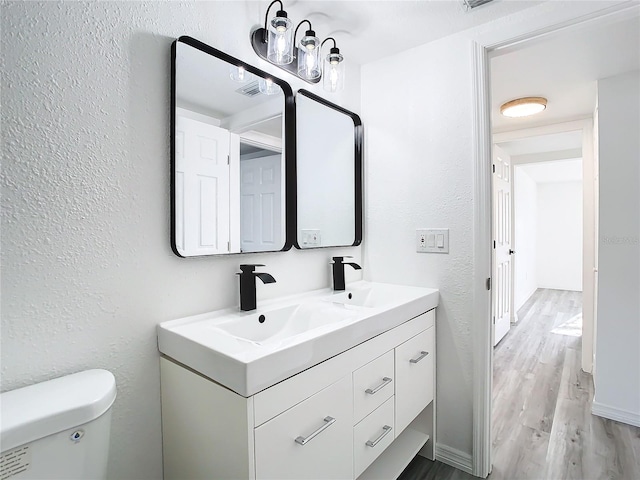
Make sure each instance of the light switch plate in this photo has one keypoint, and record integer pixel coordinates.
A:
(432, 240)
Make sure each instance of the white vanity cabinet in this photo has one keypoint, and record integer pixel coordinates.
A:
(362, 414)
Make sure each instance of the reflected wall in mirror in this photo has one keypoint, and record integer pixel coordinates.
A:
(232, 128)
(328, 174)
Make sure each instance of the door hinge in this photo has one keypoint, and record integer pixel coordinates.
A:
(494, 168)
(489, 283)
(494, 244)
(228, 246)
(494, 319)
(228, 159)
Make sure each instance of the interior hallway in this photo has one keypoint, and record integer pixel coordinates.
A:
(542, 422)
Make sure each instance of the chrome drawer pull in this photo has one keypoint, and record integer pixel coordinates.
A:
(385, 430)
(385, 381)
(422, 355)
(328, 422)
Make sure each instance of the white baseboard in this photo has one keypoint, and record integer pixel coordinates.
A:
(526, 299)
(562, 287)
(454, 457)
(617, 414)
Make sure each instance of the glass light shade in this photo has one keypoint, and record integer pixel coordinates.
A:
(280, 41)
(309, 57)
(267, 86)
(238, 74)
(523, 107)
(333, 72)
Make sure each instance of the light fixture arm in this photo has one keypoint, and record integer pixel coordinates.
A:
(327, 39)
(295, 33)
(266, 17)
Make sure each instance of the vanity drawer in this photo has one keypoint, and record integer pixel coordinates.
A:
(372, 435)
(372, 385)
(312, 440)
(414, 377)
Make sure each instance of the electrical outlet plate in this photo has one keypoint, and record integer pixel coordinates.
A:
(432, 240)
(311, 238)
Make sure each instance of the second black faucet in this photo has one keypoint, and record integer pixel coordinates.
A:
(338, 272)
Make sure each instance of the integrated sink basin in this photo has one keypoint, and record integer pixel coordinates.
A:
(272, 326)
(374, 295)
(250, 351)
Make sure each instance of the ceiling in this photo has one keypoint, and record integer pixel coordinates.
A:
(368, 30)
(198, 74)
(564, 69)
(553, 172)
(554, 142)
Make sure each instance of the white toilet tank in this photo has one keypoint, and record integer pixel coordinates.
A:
(57, 429)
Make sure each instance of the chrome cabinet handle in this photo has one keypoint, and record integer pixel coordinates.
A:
(385, 430)
(422, 355)
(385, 381)
(328, 421)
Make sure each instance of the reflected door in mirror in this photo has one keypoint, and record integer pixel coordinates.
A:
(261, 192)
(202, 187)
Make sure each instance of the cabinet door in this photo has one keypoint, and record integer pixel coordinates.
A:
(414, 377)
(312, 440)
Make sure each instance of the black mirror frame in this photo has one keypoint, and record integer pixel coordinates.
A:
(359, 143)
(289, 145)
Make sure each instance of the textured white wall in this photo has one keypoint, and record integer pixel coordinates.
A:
(419, 174)
(559, 236)
(617, 368)
(87, 269)
(525, 206)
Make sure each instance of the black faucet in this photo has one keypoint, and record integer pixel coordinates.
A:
(338, 271)
(248, 285)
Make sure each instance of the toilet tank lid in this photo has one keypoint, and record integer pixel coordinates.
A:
(46, 408)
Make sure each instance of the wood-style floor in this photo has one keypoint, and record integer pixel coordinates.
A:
(542, 422)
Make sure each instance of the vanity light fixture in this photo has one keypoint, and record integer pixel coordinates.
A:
(238, 74)
(271, 43)
(333, 68)
(308, 54)
(523, 107)
(268, 86)
(277, 35)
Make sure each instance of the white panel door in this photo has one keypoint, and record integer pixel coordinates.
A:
(202, 188)
(502, 291)
(260, 201)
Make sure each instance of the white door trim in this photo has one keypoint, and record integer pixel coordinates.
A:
(581, 14)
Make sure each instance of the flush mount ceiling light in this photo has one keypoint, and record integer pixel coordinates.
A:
(276, 43)
(523, 107)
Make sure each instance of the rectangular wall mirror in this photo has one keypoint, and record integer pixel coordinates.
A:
(328, 174)
(232, 151)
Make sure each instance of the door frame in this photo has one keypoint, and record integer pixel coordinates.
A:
(551, 20)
